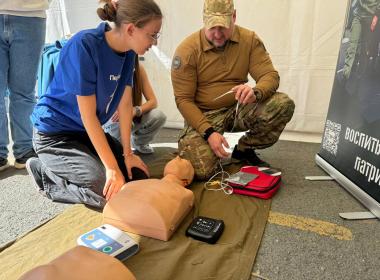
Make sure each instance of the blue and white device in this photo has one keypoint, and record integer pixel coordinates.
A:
(111, 241)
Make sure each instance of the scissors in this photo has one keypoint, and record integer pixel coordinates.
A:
(220, 96)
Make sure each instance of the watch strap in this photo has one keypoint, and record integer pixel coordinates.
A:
(208, 133)
(138, 111)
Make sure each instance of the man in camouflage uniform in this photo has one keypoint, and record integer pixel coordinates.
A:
(365, 18)
(213, 61)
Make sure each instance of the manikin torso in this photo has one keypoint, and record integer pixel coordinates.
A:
(81, 263)
(153, 207)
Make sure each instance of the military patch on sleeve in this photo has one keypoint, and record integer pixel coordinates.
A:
(176, 64)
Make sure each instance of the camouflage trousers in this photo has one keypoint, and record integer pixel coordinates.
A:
(263, 123)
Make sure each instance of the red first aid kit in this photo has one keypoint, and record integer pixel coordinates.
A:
(262, 186)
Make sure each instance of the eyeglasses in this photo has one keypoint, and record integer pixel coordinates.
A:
(155, 36)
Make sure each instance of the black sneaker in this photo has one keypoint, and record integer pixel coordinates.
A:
(33, 166)
(3, 164)
(249, 156)
(20, 162)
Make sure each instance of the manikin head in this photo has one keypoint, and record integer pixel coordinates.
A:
(219, 18)
(181, 168)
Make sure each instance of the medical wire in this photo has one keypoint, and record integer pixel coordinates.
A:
(227, 189)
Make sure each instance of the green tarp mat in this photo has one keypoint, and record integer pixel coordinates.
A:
(232, 257)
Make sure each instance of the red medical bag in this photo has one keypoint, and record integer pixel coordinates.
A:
(263, 186)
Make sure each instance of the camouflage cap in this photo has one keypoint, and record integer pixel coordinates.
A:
(218, 13)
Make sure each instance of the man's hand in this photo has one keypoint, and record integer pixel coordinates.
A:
(244, 94)
(216, 142)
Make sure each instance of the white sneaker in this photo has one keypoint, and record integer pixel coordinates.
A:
(144, 149)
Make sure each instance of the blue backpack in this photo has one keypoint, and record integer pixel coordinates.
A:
(48, 65)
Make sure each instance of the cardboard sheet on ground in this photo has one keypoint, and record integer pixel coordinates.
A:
(179, 258)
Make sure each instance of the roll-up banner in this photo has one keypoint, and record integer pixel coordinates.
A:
(350, 149)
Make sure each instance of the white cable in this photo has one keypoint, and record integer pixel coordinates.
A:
(236, 114)
(227, 189)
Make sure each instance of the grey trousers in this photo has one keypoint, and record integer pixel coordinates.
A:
(72, 171)
(143, 130)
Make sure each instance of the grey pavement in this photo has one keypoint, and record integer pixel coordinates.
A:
(22, 208)
(290, 250)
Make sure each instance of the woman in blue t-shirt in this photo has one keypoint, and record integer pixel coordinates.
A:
(77, 162)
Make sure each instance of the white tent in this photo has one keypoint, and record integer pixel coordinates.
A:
(302, 37)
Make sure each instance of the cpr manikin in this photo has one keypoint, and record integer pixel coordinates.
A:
(81, 263)
(153, 207)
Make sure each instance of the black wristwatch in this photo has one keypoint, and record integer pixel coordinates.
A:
(208, 133)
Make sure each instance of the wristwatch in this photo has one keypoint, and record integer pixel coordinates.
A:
(138, 111)
(258, 94)
(208, 133)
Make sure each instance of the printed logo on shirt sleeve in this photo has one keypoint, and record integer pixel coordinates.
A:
(177, 62)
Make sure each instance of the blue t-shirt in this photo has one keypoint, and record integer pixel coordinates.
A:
(87, 66)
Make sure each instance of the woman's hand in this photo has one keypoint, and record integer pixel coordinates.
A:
(114, 181)
(115, 117)
(132, 160)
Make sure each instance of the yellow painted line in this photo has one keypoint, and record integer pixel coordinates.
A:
(307, 224)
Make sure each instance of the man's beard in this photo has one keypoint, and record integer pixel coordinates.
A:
(219, 48)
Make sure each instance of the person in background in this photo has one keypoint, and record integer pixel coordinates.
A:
(22, 36)
(77, 162)
(147, 119)
(209, 77)
(364, 20)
